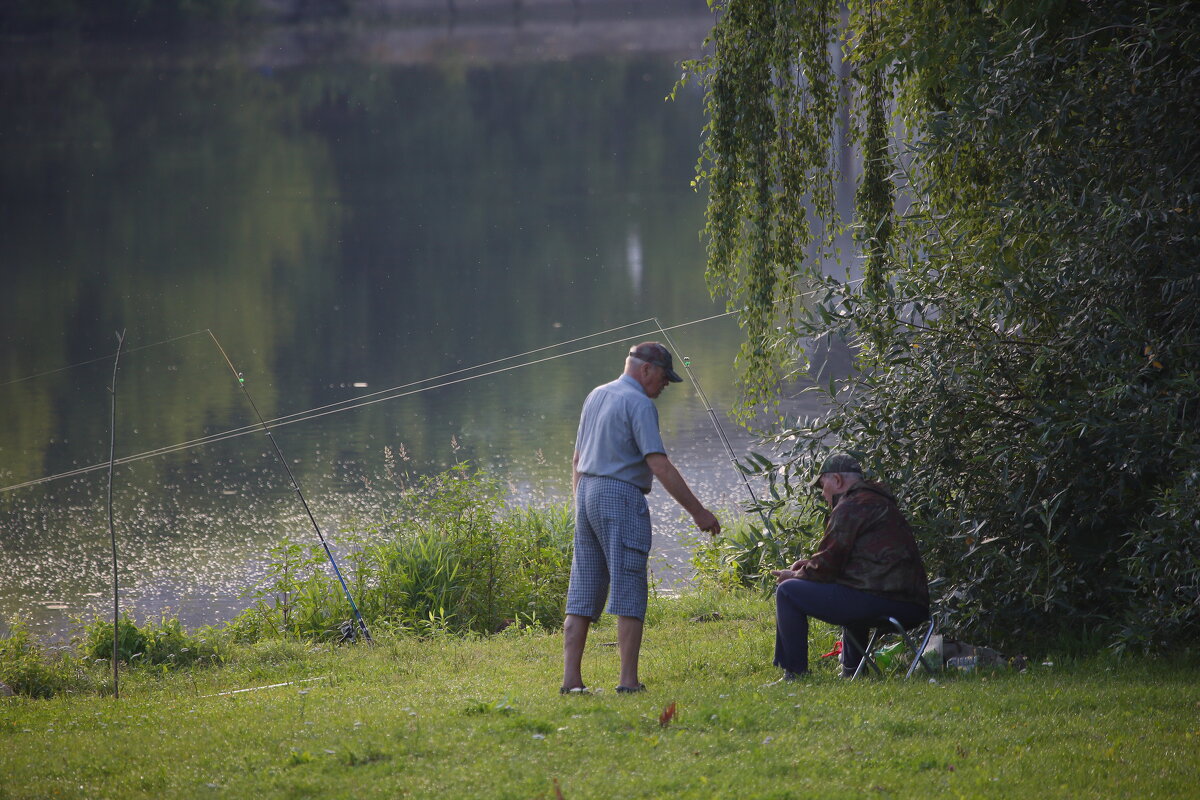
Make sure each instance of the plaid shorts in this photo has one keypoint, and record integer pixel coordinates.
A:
(612, 543)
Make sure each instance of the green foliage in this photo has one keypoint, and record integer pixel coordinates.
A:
(297, 597)
(744, 553)
(419, 579)
(457, 550)
(768, 158)
(1027, 374)
(32, 669)
(536, 563)
(875, 196)
(161, 643)
(453, 557)
(29, 669)
(1160, 562)
(275, 599)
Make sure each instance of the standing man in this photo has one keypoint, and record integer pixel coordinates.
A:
(866, 568)
(618, 450)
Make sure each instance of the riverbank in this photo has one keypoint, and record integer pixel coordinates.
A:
(470, 717)
(396, 33)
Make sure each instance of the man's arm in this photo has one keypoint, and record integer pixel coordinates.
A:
(829, 559)
(677, 487)
(574, 472)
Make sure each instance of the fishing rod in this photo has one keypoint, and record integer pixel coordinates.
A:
(279, 453)
(712, 414)
(112, 531)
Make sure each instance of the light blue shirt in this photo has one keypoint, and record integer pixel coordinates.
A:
(617, 430)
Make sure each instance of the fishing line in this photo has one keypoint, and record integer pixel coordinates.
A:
(393, 393)
(298, 416)
(355, 402)
(260, 688)
(267, 430)
(102, 358)
(712, 414)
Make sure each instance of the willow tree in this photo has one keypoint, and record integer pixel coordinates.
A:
(1026, 332)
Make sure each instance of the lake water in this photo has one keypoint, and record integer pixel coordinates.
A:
(423, 244)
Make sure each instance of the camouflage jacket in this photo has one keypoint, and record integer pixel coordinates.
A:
(868, 545)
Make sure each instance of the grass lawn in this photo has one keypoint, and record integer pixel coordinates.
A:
(451, 717)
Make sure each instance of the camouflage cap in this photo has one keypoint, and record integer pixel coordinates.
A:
(837, 462)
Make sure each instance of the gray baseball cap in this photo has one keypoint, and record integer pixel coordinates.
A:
(655, 353)
(837, 462)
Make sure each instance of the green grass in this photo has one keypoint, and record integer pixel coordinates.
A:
(455, 717)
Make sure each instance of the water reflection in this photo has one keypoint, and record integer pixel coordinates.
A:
(342, 227)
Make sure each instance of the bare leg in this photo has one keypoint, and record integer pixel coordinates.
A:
(629, 646)
(575, 632)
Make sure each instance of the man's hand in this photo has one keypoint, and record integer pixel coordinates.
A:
(707, 521)
(799, 564)
(782, 575)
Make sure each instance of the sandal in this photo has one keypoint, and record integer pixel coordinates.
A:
(574, 690)
(641, 687)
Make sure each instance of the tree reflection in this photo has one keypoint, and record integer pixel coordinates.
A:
(325, 223)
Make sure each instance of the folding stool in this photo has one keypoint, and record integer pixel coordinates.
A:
(892, 625)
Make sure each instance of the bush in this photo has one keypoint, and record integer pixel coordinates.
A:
(294, 599)
(28, 669)
(164, 642)
(536, 564)
(1161, 566)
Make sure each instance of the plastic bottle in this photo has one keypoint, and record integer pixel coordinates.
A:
(965, 663)
(885, 655)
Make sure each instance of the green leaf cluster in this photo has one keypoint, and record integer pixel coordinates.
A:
(163, 642)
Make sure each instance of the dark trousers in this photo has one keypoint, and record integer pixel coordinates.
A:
(797, 600)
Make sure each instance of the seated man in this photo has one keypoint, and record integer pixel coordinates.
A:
(866, 568)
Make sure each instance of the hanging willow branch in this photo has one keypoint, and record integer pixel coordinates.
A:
(875, 195)
(769, 157)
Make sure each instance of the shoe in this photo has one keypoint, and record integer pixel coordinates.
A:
(641, 687)
(574, 690)
(788, 677)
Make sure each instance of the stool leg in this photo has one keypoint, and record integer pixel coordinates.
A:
(919, 654)
(866, 652)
